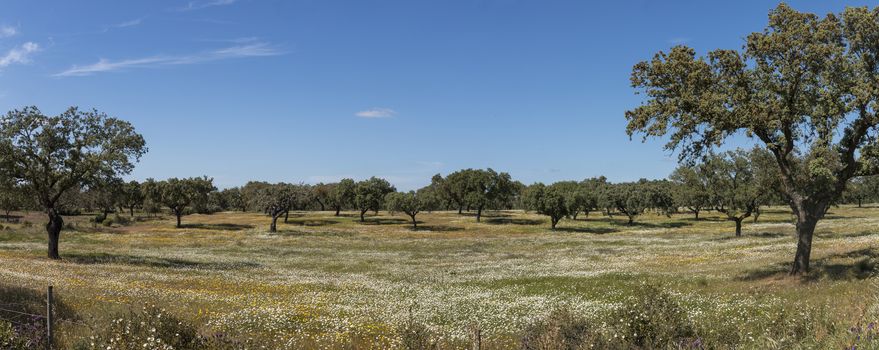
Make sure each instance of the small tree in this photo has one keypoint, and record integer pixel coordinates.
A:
(410, 203)
(552, 200)
(733, 185)
(54, 155)
(341, 195)
(484, 188)
(691, 189)
(12, 196)
(629, 198)
(275, 200)
(131, 196)
(179, 194)
(370, 194)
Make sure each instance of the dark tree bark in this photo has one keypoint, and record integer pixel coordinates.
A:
(362, 213)
(738, 227)
(478, 213)
(53, 228)
(286, 216)
(414, 223)
(808, 215)
(274, 226)
(178, 214)
(696, 212)
(554, 221)
(460, 210)
(131, 210)
(338, 209)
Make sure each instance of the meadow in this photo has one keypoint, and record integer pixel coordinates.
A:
(332, 282)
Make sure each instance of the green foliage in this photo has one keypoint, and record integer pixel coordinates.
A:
(370, 194)
(341, 195)
(555, 201)
(178, 194)
(479, 189)
(629, 198)
(54, 155)
(275, 200)
(804, 87)
(411, 203)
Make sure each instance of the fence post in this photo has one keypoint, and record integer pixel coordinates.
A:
(477, 338)
(49, 320)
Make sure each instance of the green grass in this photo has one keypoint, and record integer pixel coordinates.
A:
(334, 281)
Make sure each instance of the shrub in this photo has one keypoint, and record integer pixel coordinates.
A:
(107, 222)
(148, 328)
(28, 335)
(563, 330)
(121, 220)
(653, 318)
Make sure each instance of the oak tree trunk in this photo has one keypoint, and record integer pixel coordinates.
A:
(805, 231)
(274, 225)
(414, 223)
(738, 227)
(478, 213)
(286, 216)
(53, 228)
(338, 210)
(362, 212)
(178, 214)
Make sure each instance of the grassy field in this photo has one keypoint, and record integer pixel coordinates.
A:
(325, 281)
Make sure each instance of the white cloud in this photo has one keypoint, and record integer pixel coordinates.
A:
(7, 31)
(198, 5)
(19, 54)
(376, 113)
(130, 23)
(258, 49)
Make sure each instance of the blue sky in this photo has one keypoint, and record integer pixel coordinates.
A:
(318, 90)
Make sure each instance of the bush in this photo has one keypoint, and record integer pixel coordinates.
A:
(121, 220)
(653, 318)
(148, 328)
(563, 330)
(107, 222)
(29, 335)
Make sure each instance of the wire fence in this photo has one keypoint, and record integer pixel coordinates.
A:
(17, 314)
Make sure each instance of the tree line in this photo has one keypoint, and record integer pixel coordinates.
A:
(804, 89)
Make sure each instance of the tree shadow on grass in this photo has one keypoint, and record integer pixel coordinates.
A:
(219, 227)
(312, 222)
(594, 230)
(856, 265)
(438, 228)
(383, 221)
(509, 221)
(847, 234)
(487, 214)
(153, 262)
(294, 233)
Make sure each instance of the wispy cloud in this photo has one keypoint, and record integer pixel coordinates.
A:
(198, 5)
(130, 23)
(7, 31)
(257, 49)
(678, 41)
(19, 54)
(376, 113)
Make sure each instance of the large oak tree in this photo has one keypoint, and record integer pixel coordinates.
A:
(806, 87)
(57, 154)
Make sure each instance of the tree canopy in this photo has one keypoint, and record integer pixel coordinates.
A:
(54, 155)
(805, 87)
